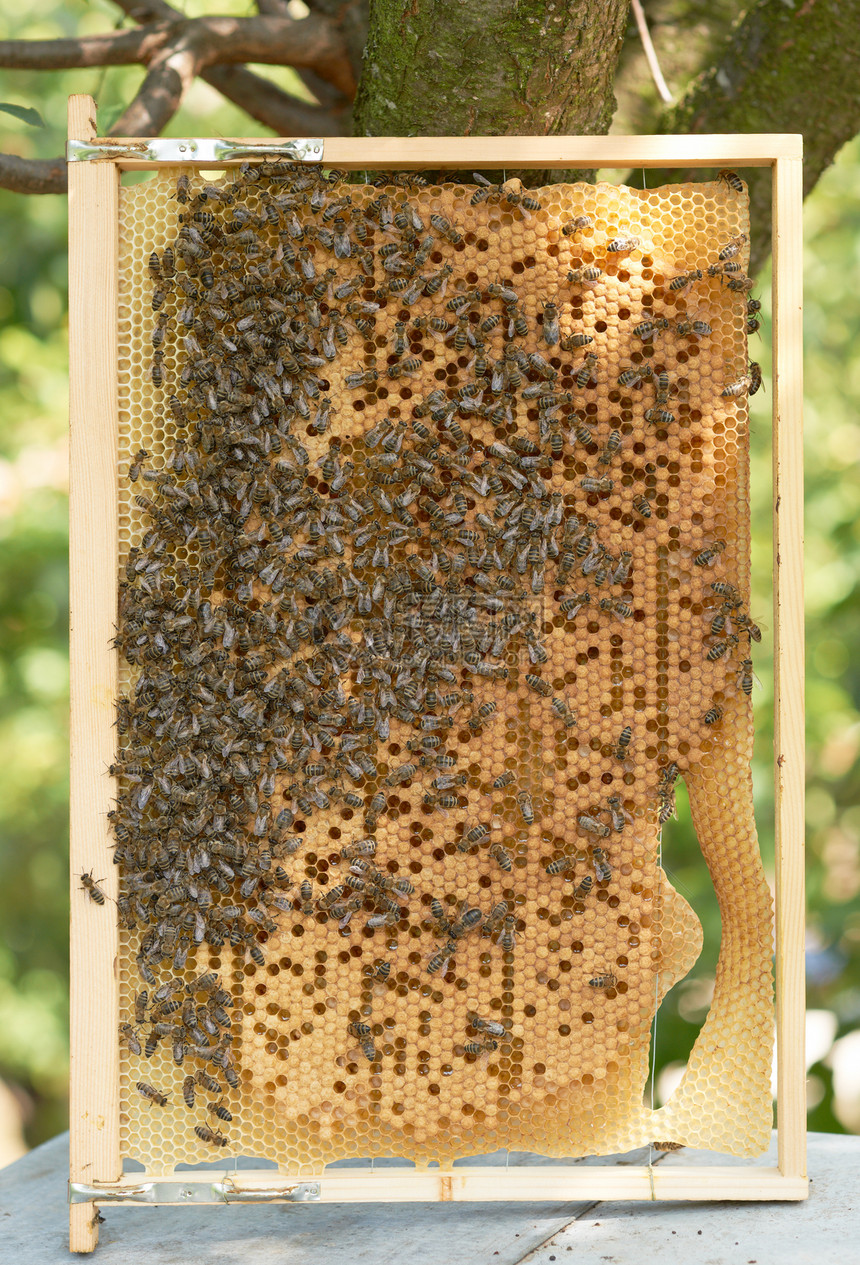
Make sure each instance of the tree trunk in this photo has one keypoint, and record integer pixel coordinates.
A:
(787, 68)
(455, 68)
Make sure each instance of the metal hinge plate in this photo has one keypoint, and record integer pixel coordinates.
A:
(190, 149)
(222, 1190)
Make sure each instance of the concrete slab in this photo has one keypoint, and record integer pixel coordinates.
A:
(826, 1229)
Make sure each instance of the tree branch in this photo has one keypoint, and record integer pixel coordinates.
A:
(324, 92)
(114, 48)
(32, 175)
(286, 115)
(782, 70)
(169, 77)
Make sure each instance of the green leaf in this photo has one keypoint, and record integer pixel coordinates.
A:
(24, 113)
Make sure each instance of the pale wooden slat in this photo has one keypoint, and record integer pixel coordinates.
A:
(495, 1185)
(413, 153)
(789, 769)
(94, 1089)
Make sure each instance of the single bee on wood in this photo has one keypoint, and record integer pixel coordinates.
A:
(92, 888)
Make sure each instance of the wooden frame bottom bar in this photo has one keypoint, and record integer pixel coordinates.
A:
(493, 1185)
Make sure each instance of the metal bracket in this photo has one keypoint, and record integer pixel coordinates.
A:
(200, 150)
(222, 1190)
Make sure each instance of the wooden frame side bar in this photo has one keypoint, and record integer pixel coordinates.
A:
(487, 1184)
(415, 152)
(788, 660)
(94, 1089)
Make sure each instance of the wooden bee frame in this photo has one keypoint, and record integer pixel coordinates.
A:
(95, 1094)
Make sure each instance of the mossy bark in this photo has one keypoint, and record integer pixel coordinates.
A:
(491, 67)
(787, 67)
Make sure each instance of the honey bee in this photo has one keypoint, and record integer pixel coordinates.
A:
(490, 1026)
(537, 685)
(358, 1029)
(584, 887)
(601, 487)
(218, 1109)
(602, 982)
(602, 868)
(613, 443)
(560, 866)
(502, 857)
(188, 1092)
(713, 714)
(564, 712)
(151, 1094)
(685, 279)
(360, 848)
(573, 341)
(570, 606)
(577, 225)
(741, 386)
(527, 812)
(709, 554)
(752, 629)
(495, 917)
(648, 328)
(668, 1146)
(439, 960)
(617, 813)
(480, 1047)
(731, 180)
(483, 713)
(755, 377)
(666, 793)
(504, 779)
(592, 826)
(211, 1136)
(550, 328)
(410, 364)
(477, 834)
(131, 1038)
(507, 936)
(621, 245)
(722, 647)
(727, 591)
(586, 373)
(584, 276)
(659, 417)
(361, 379)
(622, 746)
(642, 505)
(380, 972)
(745, 676)
(136, 464)
(92, 888)
(445, 229)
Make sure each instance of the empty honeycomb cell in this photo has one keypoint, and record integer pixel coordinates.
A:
(404, 700)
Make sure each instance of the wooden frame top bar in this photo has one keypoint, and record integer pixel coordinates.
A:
(357, 153)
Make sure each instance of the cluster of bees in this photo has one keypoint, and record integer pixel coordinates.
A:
(327, 600)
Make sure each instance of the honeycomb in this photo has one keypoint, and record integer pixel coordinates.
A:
(483, 635)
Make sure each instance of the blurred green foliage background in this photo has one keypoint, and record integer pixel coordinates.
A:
(33, 616)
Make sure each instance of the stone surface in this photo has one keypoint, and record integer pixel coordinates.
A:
(33, 1224)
